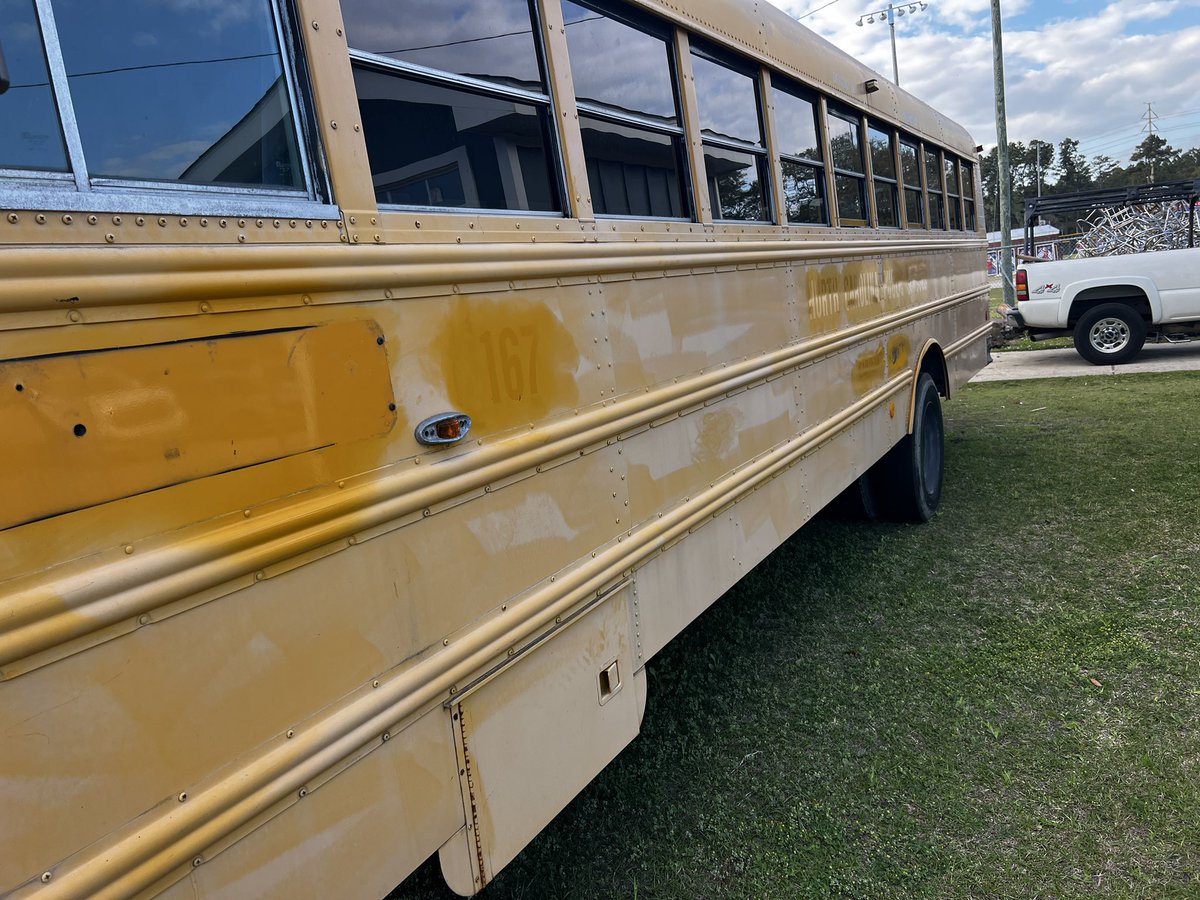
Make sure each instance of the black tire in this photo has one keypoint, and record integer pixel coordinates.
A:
(1110, 334)
(908, 480)
(857, 503)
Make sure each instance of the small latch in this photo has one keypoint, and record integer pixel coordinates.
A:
(610, 681)
(446, 428)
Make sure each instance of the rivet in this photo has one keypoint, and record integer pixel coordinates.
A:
(143, 619)
(183, 223)
(290, 734)
(241, 239)
(339, 32)
(259, 223)
(341, 484)
(277, 224)
(454, 688)
(307, 299)
(333, 125)
(41, 219)
(558, 620)
(140, 220)
(205, 307)
(354, 220)
(504, 607)
(356, 239)
(224, 223)
(46, 876)
(162, 221)
(259, 576)
(418, 224)
(375, 683)
(204, 223)
(110, 238)
(302, 793)
(293, 223)
(183, 797)
(196, 862)
(388, 294)
(511, 651)
(315, 26)
(241, 223)
(387, 735)
(356, 128)
(67, 220)
(74, 315)
(14, 219)
(445, 642)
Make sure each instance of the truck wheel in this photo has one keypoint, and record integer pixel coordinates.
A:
(1110, 334)
(909, 477)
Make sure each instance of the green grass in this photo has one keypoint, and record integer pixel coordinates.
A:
(1002, 703)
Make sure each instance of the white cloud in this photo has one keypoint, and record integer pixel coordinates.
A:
(1086, 72)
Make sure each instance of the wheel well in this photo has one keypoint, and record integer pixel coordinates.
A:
(934, 362)
(1115, 293)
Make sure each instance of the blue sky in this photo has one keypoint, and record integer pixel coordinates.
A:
(1073, 68)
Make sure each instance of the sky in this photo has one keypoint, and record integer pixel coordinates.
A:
(1073, 68)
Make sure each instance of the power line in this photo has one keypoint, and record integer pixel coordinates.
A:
(813, 12)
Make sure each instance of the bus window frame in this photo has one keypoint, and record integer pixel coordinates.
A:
(928, 149)
(799, 91)
(851, 116)
(913, 142)
(699, 46)
(890, 131)
(77, 189)
(664, 31)
(556, 157)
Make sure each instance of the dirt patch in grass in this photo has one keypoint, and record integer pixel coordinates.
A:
(1001, 703)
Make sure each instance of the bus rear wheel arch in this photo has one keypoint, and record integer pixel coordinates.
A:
(907, 481)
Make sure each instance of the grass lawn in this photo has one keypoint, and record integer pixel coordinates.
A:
(1002, 703)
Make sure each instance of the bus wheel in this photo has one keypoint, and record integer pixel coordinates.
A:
(912, 471)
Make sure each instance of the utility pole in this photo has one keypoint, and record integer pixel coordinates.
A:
(1006, 259)
(1150, 116)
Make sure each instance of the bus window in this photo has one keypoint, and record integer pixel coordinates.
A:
(475, 133)
(910, 169)
(850, 179)
(952, 194)
(632, 136)
(801, 158)
(968, 191)
(31, 137)
(159, 93)
(933, 179)
(735, 159)
(883, 171)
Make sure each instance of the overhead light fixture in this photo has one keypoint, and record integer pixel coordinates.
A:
(900, 11)
(860, 18)
(913, 8)
(870, 20)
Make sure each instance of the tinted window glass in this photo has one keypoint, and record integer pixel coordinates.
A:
(913, 208)
(491, 39)
(952, 175)
(883, 164)
(728, 102)
(803, 194)
(933, 172)
(968, 181)
(885, 205)
(852, 201)
(30, 136)
(845, 144)
(735, 185)
(796, 124)
(632, 171)
(440, 146)
(909, 166)
(180, 91)
(641, 80)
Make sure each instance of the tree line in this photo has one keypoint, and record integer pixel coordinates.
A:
(1064, 169)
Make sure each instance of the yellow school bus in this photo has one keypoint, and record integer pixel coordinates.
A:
(382, 384)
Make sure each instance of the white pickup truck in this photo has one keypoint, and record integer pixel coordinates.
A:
(1111, 304)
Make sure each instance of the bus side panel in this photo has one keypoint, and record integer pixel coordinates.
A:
(680, 583)
(360, 833)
